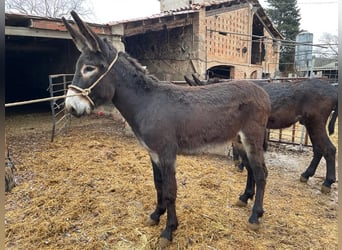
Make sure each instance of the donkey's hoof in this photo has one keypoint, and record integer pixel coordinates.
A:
(253, 226)
(325, 189)
(150, 222)
(303, 179)
(238, 169)
(164, 243)
(241, 203)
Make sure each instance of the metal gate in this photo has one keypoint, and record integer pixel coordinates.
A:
(294, 135)
(58, 85)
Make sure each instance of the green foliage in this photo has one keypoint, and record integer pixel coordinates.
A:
(285, 15)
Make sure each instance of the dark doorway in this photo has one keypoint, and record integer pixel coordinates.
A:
(221, 71)
(29, 62)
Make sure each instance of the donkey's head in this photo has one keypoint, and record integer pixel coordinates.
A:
(90, 86)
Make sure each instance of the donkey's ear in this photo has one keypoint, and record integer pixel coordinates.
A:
(91, 39)
(76, 36)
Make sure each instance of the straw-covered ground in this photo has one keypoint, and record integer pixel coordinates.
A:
(93, 189)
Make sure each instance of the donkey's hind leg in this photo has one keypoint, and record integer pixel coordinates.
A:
(322, 146)
(253, 144)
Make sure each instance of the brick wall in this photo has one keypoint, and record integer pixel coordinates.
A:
(172, 53)
(225, 45)
(228, 47)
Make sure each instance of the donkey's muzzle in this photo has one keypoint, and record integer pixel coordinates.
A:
(76, 104)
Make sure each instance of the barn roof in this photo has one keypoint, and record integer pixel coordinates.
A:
(208, 6)
(38, 26)
(27, 25)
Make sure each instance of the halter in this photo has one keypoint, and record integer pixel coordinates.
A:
(85, 92)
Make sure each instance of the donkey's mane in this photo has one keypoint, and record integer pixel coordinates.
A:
(134, 62)
(137, 65)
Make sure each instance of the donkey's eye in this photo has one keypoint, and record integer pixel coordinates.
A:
(88, 70)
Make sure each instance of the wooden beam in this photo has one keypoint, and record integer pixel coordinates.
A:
(132, 29)
(23, 31)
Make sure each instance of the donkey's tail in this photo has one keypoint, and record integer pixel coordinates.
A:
(331, 126)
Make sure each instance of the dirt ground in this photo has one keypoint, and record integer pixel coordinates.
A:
(93, 189)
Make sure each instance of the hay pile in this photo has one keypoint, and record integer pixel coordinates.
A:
(93, 189)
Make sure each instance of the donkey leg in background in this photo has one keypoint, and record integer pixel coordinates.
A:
(329, 156)
(311, 170)
(236, 157)
(249, 189)
(322, 146)
(158, 184)
(250, 184)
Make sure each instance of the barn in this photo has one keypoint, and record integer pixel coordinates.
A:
(225, 39)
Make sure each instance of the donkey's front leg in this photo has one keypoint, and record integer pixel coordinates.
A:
(158, 184)
(164, 173)
(169, 195)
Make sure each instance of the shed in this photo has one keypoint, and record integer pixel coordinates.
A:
(226, 39)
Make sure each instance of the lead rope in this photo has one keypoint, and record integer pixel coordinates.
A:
(85, 92)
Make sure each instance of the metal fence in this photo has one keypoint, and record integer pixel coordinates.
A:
(58, 85)
(294, 135)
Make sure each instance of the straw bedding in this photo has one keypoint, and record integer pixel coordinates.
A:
(93, 189)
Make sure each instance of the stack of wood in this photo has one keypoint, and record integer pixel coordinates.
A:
(9, 170)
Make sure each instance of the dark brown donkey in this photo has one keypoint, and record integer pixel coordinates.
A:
(310, 102)
(168, 119)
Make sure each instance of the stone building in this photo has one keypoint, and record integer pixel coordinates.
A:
(227, 39)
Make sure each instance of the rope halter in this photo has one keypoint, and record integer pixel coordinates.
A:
(85, 92)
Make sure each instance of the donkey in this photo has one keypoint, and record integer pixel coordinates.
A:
(168, 119)
(310, 102)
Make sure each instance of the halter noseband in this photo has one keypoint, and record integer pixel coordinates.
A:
(85, 92)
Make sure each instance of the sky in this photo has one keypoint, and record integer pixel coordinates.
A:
(318, 16)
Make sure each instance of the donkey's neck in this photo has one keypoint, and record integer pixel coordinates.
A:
(133, 89)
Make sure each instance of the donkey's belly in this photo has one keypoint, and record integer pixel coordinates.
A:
(211, 148)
